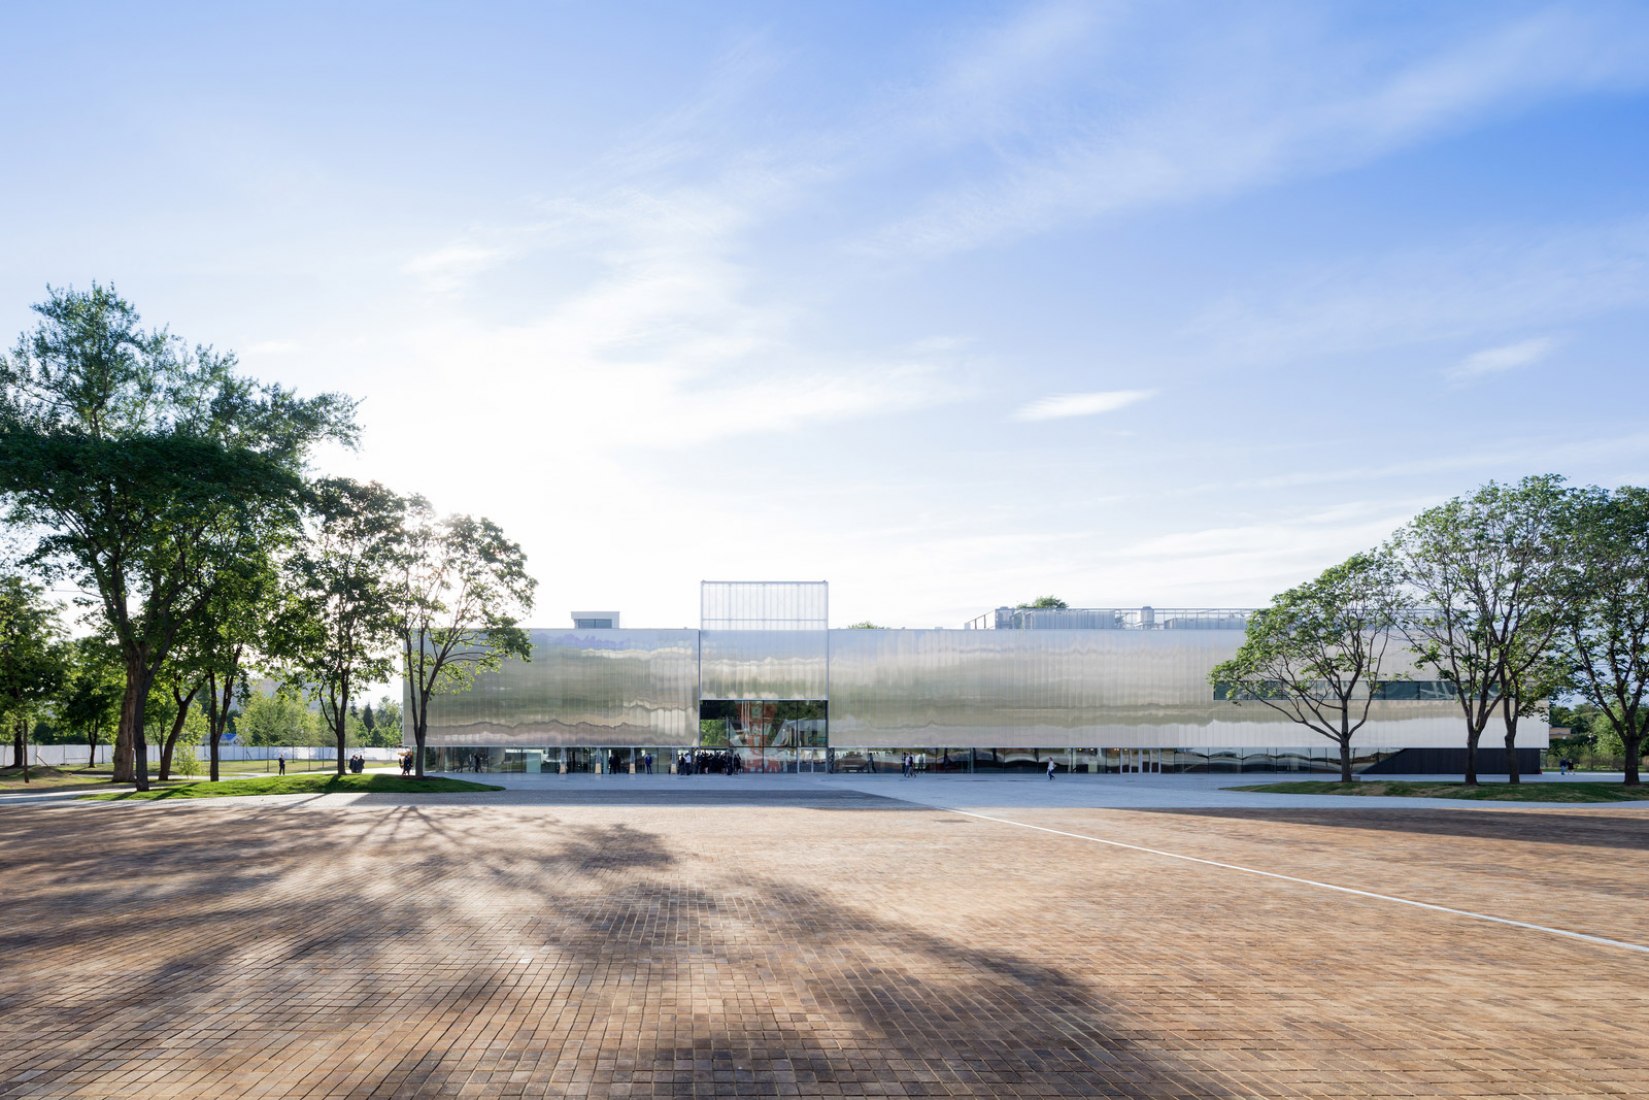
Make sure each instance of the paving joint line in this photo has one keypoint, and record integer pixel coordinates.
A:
(1603, 941)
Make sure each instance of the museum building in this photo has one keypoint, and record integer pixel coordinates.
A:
(765, 685)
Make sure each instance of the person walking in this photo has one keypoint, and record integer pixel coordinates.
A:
(1050, 771)
(280, 762)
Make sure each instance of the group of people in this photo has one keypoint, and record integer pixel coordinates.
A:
(709, 763)
(357, 763)
(406, 760)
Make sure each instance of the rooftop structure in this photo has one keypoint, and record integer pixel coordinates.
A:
(1111, 618)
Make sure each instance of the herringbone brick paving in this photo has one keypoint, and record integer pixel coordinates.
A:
(291, 950)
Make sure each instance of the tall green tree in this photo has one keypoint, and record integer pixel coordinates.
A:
(1604, 603)
(142, 461)
(1484, 570)
(89, 706)
(1318, 653)
(462, 591)
(183, 682)
(34, 661)
(240, 619)
(388, 730)
(344, 635)
(278, 719)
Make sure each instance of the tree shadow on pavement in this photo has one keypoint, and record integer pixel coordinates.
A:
(410, 951)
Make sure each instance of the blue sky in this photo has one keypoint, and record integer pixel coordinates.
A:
(951, 304)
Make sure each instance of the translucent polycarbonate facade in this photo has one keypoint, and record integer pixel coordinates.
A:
(582, 687)
(1008, 688)
(764, 664)
(987, 689)
(766, 683)
(764, 605)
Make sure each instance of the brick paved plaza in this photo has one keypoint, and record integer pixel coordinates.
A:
(830, 944)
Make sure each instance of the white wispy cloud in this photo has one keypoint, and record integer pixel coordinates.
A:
(671, 340)
(980, 87)
(450, 265)
(1063, 405)
(1176, 128)
(1476, 288)
(1499, 359)
(1588, 457)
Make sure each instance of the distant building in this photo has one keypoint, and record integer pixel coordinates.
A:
(765, 679)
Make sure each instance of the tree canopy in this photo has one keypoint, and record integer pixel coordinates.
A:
(140, 462)
(34, 661)
(462, 590)
(340, 633)
(1603, 607)
(1483, 569)
(1316, 655)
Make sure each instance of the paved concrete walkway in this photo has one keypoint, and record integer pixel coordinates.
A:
(974, 792)
(1146, 792)
(687, 939)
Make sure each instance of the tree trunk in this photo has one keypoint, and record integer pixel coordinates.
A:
(1345, 760)
(23, 746)
(419, 731)
(170, 746)
(340, 719)
(217, 716)
(1633, 747)
(120, 755)
(1509, 713)
(1471, 757)
(91, 747)
(19, 754)
(135, 767)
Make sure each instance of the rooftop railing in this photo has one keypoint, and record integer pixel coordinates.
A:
(1112, 618)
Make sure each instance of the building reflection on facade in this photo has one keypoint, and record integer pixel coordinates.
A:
(764, 686)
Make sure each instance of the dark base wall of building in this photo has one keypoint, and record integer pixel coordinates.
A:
(1453, 762)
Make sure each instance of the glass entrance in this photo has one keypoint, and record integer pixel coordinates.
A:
(767, 736)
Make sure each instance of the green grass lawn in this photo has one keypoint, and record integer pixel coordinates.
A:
(311, 783)
(70, 776)
(51, 779)
(1493, 792)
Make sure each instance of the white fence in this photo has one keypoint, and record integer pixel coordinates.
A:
(76, 756)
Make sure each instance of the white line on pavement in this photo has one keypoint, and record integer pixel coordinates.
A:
(1603, 941)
